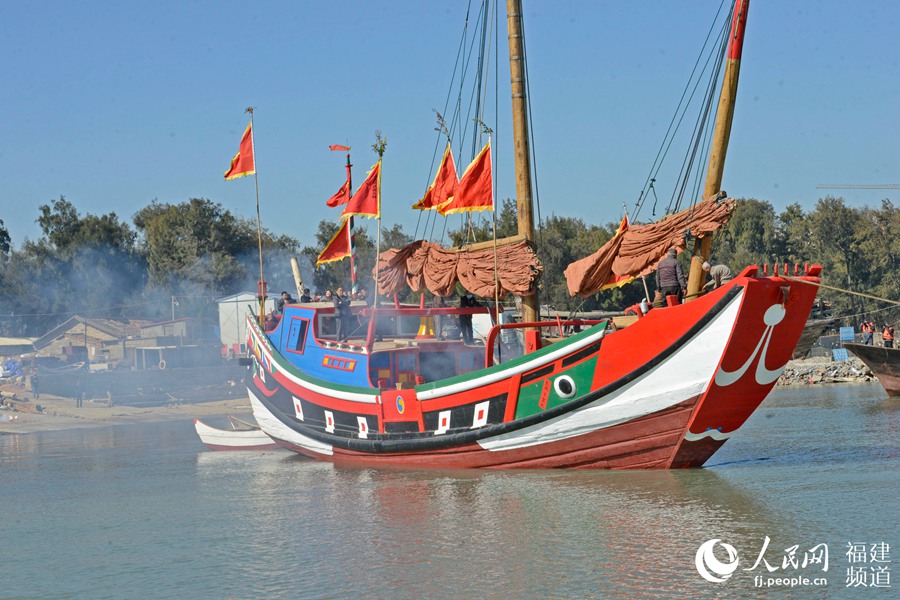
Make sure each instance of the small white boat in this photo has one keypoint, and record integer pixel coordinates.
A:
(241, 436)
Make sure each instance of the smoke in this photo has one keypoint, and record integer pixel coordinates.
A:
(277, 272)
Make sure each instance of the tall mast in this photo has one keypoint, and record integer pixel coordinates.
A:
(354, 285)
(520, 139)
(721, 134)
(261, 286)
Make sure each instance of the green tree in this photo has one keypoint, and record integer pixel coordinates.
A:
(196, 242)
(835, 230)
(749, 237)
(86, 265)
(5, 242)
(793, 231)
(394, 238)
(479, 227)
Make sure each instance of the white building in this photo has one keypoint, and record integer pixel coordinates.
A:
(233, 311)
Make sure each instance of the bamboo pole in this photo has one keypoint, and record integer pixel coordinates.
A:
(520, 140)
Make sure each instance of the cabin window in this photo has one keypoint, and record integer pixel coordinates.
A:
(406, 367)
(406, 362)
(297, 335)
(327, 326)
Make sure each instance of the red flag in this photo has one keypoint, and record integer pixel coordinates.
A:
(475, 190)
(338, 148)
(243, 163)
(366, 202)
(341, 197)
(442, 188)
(338, 247)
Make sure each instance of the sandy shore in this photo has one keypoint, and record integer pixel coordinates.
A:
(61, 413)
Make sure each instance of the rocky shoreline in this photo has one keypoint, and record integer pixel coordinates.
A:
(813, 371)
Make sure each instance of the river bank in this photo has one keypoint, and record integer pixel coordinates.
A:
(22, 413)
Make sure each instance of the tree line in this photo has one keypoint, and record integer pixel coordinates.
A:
(188, 254)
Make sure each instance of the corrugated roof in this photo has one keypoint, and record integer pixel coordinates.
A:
(112, 327)
(11, 341)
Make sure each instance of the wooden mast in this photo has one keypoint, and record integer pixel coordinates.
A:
(720, 138)
(520, 142)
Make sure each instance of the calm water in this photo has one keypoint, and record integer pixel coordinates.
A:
(144, 512)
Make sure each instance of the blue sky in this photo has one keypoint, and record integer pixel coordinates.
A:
(115, 104)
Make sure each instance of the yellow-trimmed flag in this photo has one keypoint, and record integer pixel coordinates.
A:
(338, 247)
(445, 181)
(475, 190)
(243, 162)
(342, 196)
(366, 202)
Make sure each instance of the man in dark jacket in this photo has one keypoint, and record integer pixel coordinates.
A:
(342, 314)
(465, 321)
(670, 276)
(286, 298)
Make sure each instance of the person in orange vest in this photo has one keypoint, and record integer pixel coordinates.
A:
(887, 335)
(868, 330)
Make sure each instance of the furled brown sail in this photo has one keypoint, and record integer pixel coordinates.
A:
(638, 250)
(425, 265)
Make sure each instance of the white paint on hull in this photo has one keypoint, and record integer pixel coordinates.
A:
(712, 433)
(279, 431)
(684, 375)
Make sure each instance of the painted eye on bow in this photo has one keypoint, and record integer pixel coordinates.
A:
(564, 386)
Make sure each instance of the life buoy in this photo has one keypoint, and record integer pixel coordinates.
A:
(162, 365)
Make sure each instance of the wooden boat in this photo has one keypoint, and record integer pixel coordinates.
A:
(241, 436)
(884, 362)
(815, 328)
(663, 389)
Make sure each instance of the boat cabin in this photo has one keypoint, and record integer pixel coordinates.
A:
(391, 347)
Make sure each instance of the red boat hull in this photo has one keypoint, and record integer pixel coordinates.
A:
(665, 392)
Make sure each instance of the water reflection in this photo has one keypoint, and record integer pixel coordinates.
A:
(537, 532)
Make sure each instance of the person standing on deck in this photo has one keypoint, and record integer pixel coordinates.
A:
(438, 302)
(719, 276)
(670, 276)
(887, 336)
(286, 298)
(465, 321)
(342, 314)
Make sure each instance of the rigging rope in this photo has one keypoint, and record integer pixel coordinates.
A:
(702, 124)
(682, 107)
(845, 291)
